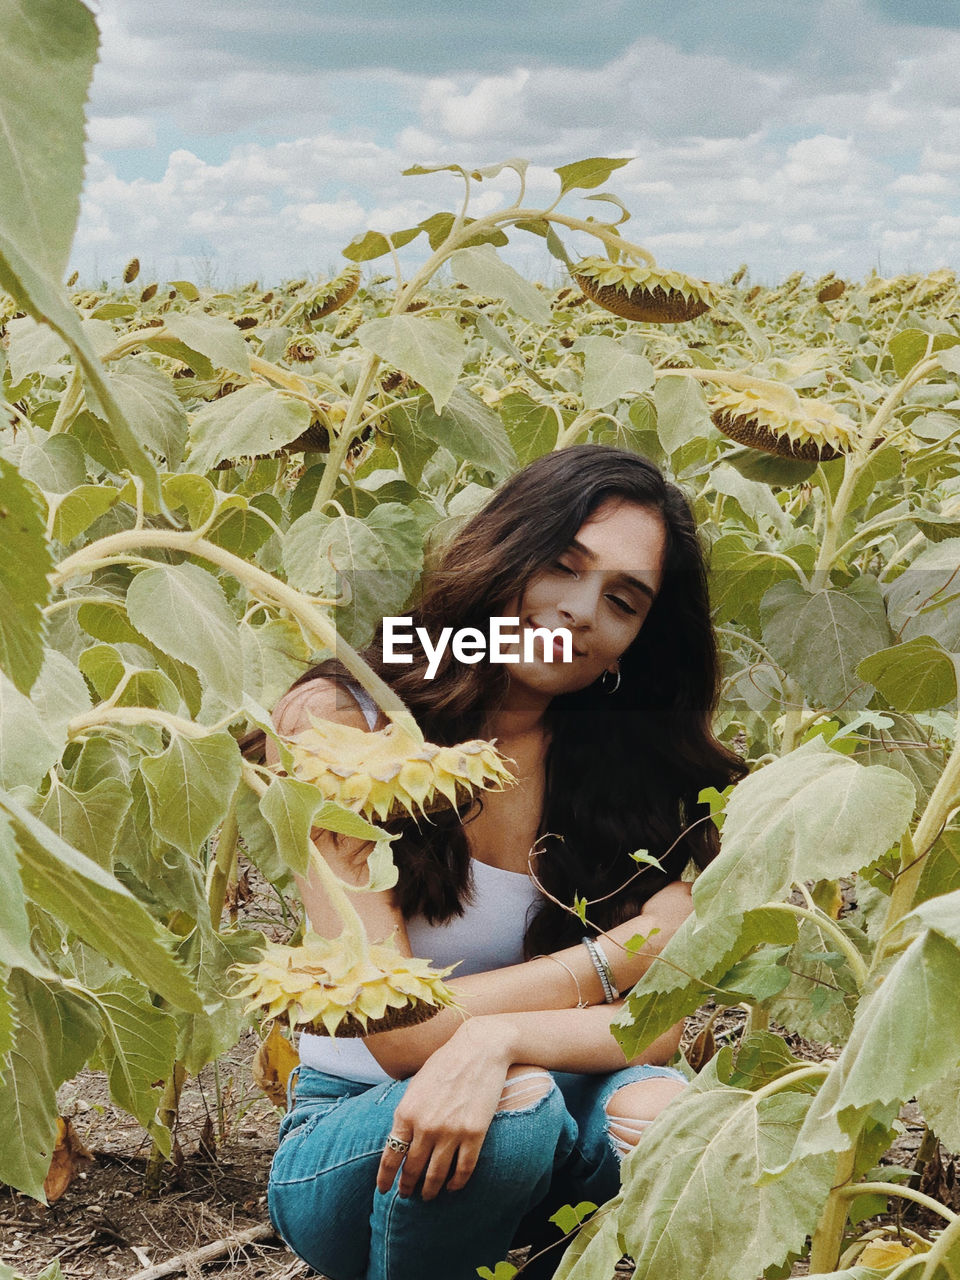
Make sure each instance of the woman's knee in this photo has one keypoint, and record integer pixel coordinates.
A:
(524, 1087)
(636, 1105)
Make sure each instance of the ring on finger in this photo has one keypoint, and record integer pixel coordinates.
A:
(397, 1144)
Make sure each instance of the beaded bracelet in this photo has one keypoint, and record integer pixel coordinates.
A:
(602, 967)
(581, 1003)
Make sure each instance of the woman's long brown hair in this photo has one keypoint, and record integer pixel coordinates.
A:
(623, 770)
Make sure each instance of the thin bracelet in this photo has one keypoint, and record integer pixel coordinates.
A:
(609, 994)
(607, 967)
(581, 1003)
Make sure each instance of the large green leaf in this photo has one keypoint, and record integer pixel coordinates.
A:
(481, 268)
(246, 423)
(754, 498)
(821, 997)
(152, 408)
(96, 906)
(740, 576)
(274, 656)
(682, 413)
(940, 1104)
(610, 372)
(27, 750)
(905, 746)
(915, 676)
(46, 43)
(57, 1032)
(294, 808)
(679, 1218)
(532, 427)
(138, 1046)
(430, 350)
(891, 1054)
(201, 1038)
(77, 510)
(471, 431)
(89, 820)
(819, 637)
(213, 336)
(24, 566)
(15, 949)
(190, 787)
(811, 815)
(922, 601)
(183, 611)
(377, 560)
(686, 973)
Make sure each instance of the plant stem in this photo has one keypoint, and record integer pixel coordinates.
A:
(69, 404)
(167, 1113)
(259, 583)
(891, 1189)
(823, 922)
(226, 860)
(828, 1237)
(944, 1245)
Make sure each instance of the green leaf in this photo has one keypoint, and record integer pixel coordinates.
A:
(138, 1047)
(274, 656)
(77, 510)
(904, 746)
(569, 1216)
(246, 423)
(753, 498)
(186, 288)
(28, 750)
(373, 244)
(890, 1054)
(41, 171)
(34, 348)
(190, 787)
(811, 815)
(924, 599)
(471, 431)
(151, 407)
(940, 1104)
(213, 336)
(89, 820)
(610, 372)
(202, 1038)
(686, 971)
(941, 868)
(533, 428)
(482, 269)
(916, 676)
(585, 174)
(761, 1056)
(95, 905)
(183, 611)
(294, 808)
(717, 1137)
(15, 949)
(821, 997)
(56, 464)
(57, 1031)
(819, 637)
(378, 559)
(739, 578)
(682, 413)
(430, 350)
(24, 566)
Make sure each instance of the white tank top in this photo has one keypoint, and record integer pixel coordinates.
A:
(488, 935)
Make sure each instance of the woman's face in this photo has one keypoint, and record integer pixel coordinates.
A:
(600, 588)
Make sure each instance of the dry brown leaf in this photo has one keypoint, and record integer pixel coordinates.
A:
(272, 1064)
(702, 1049)
(881, 1254)
(70, 1156)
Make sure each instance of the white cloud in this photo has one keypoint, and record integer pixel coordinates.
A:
(118, 133)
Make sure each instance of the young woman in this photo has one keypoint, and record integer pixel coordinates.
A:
(430, 1150)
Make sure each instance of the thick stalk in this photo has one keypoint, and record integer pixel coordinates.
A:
(890, 1189)
(261, 584)
(167, 1113)
(942, 802)
(223, 866)
(340, 447)
(792, 716)
(828, 1237)
(69, 404)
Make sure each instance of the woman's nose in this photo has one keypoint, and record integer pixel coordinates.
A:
(579, 601)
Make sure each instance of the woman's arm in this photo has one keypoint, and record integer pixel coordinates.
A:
(545, 986)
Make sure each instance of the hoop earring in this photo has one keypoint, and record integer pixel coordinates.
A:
(616, 683)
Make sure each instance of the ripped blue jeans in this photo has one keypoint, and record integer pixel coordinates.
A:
(323, 1198)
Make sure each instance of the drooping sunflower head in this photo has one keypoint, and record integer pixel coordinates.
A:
(389, 773)
(336, 988)
(779, 421)
(638, 292)
(333, 294)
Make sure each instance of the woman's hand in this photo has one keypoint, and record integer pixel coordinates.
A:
(445, 1113)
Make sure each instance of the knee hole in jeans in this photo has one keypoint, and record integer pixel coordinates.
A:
(524, 1086)
(635, 1106)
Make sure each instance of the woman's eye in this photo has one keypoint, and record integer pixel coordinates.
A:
(565, 568)
(622, 604)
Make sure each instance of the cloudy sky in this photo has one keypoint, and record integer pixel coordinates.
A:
(232, 139)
